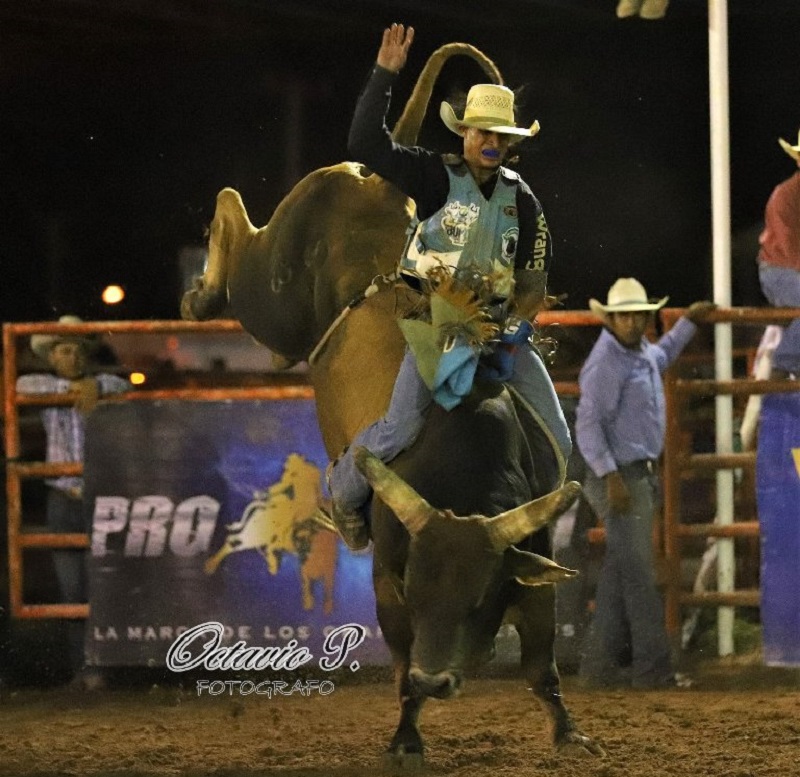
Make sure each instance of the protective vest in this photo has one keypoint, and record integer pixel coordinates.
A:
(469, 231)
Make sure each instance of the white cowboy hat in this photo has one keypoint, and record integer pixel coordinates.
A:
(792, 151)
(627, 295)
(489, 107)
(41, 344)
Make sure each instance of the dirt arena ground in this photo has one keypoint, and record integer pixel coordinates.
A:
(739, 720)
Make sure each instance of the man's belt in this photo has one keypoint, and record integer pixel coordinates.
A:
(642, 465)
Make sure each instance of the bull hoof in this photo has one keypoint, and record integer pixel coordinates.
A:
(401, 762)
(201, 303)
(577, 745)
(281, 362)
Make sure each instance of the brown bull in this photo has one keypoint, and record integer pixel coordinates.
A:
(443, 583)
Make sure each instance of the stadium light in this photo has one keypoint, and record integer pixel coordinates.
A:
(113, 294)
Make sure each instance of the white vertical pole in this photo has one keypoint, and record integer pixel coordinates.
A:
(721, 217)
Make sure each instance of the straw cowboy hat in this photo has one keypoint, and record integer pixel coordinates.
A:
(792, 151)
(489, 107)
(41, 344)
(627, 295)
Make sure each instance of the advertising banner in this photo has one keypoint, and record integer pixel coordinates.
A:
(778, 497)
(203, 512)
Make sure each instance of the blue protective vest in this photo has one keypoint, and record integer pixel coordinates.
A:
(469, 231)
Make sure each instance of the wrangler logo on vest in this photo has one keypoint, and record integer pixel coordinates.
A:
(457, 220)
(540, 244)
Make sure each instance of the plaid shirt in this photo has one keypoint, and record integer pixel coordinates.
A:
(65, 426)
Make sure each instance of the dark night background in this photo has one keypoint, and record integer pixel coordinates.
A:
(120, 120)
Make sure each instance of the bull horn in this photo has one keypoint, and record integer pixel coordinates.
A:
(514, 525)
(409, 507)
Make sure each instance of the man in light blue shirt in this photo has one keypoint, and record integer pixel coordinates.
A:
(619, 430)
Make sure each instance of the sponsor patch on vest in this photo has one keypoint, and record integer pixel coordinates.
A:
(510, 240)
(457, 220)
(510, 210)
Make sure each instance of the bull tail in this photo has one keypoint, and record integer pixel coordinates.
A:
(406, 131)
(230, 227)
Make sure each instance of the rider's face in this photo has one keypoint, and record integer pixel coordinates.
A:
(484, 150)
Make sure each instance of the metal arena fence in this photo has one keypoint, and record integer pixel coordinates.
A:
(687, 384)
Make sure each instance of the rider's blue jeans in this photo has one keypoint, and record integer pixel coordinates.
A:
(396, 431)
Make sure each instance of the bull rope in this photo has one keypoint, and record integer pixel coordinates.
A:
(373, 288)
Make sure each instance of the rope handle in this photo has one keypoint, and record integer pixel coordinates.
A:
(373, 288)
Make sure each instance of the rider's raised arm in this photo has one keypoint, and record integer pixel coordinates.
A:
(417, 172)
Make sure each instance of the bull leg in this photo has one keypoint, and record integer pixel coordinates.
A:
(308, 595)
(537, 636)
(209, 295)
(214, 561)
(328, 583)
(406, 750)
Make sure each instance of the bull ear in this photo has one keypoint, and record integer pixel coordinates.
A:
(533, 569)
(514, 525)
(409, 507)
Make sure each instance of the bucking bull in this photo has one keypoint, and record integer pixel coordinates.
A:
(459, 545)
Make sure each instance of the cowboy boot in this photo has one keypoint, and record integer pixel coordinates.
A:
(351, 523)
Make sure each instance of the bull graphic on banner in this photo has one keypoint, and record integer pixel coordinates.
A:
(204, 512)
(280, 520)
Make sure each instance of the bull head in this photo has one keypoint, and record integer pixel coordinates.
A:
(502, 530)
